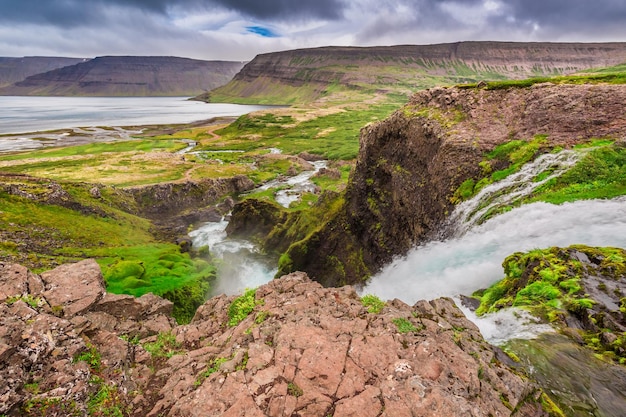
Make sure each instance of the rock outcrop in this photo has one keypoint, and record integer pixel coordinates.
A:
(306, 74)
(172, 207)
(128, 76)
(292, 348)
(410, 165)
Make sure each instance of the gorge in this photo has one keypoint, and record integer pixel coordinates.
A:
(406, 220)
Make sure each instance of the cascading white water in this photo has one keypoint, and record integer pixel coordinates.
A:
(461, 265)
(512, 188)
(240, 264)
(471, 259)
(293, 187)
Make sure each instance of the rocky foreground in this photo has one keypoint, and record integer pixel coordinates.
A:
(292, 348)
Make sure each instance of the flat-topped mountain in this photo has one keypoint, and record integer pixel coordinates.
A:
(13, 70)
(308, 74)
(129, 76)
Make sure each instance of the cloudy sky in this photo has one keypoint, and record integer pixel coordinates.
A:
(240, 29)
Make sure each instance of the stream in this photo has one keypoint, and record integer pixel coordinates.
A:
(469, 258)
(240, 263)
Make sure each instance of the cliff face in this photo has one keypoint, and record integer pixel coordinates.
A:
(309, 72)
(129, 76)
(13, 70)
(410, 165)
(69, 348)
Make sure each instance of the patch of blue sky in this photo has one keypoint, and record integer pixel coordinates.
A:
(262, 31)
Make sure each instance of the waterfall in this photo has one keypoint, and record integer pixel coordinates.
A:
(511, 189)
(471, 257)
(240, 264)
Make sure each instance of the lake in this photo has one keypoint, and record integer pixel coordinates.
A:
(32, 114)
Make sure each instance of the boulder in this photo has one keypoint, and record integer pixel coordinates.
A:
(75, 287)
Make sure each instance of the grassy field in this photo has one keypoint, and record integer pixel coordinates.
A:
(41, 231)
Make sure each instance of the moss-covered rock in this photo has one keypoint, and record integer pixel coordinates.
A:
(579, 287)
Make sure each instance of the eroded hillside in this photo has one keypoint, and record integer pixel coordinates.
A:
(308, 74)
(128, 76)
(411, 166)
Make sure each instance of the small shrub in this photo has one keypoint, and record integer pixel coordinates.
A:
(106, 402)
(212, 367)
(165, 346)
(374, 304)
(34, 302)
(294, 390)
(404, 326)
(91, 357)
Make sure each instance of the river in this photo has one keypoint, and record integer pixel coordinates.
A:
(240, 263)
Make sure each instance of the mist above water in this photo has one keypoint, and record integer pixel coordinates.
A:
(239, 263)
(472, 261)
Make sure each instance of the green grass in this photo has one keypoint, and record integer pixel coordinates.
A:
(601, 173)
(610, 75)
(132, 260)
(335, 136)
(514, 154)
(404, 326)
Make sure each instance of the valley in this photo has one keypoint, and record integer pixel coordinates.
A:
(413, 189)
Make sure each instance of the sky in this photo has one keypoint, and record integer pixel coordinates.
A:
(240, 29)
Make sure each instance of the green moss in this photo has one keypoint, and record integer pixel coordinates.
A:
(242, 306)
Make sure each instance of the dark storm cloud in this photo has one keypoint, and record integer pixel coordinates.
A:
(567, 12)
(281, 9)
(86, 12)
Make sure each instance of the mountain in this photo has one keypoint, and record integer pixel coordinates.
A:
(13, 70)
(308, 74)
(128, 76)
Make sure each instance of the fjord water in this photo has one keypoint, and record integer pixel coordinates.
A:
(32, 114)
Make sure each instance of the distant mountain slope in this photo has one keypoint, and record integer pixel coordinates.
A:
(129, 76)
(13, 70)
(308, 74)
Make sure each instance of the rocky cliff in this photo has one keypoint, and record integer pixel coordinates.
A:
(410, 165)
(129, 76)
(13, 70)
(307, 74)
(290, 348)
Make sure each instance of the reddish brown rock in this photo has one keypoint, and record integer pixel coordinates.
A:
(303, 351)
(76, 287)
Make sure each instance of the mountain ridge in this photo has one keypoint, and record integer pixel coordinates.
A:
(292, 76)
(15, 69)
(128, 76)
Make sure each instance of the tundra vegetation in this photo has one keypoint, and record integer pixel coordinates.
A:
(40, 231)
